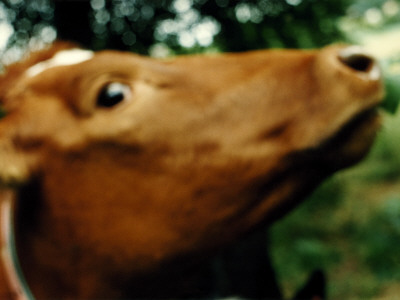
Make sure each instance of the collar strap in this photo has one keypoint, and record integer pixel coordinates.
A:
(12, 282)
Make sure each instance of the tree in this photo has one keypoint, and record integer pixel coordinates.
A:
(181, 25)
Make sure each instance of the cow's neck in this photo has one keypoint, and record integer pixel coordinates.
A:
(51, 270)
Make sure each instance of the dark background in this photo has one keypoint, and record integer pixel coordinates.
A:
(138, 25)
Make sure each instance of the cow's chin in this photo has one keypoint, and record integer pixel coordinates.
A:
(353, 141)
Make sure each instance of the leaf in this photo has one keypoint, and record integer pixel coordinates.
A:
(391, 81)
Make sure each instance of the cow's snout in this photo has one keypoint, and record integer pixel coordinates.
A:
(360, 61)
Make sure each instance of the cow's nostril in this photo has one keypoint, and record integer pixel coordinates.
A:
(358, 62)
(355, 58)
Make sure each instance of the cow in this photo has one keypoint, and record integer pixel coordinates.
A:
(121, 174)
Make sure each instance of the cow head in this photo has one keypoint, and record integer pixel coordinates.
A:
(132, 163)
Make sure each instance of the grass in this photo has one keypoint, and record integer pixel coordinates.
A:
(349, 227)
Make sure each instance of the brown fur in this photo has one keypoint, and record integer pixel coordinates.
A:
(207, 148)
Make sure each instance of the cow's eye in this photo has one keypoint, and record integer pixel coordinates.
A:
(112, 94)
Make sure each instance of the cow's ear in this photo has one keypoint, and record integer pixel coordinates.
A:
(13, 71)
(16, 168)
(35, 57)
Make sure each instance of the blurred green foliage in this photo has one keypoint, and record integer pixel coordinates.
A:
(180, 25)
(392, 86)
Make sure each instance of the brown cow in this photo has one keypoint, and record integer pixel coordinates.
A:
(131, 169)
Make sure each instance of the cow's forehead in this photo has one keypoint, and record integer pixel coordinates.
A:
(62, 58)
